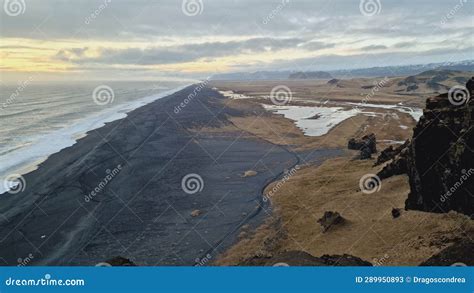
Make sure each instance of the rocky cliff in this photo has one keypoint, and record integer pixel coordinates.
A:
(439, 160)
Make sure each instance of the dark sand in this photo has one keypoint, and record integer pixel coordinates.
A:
(143, 213)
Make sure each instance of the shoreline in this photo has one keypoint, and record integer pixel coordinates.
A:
(142, 212)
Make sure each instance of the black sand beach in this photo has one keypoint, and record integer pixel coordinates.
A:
(141, 211)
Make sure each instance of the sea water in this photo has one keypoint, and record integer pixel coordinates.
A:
(40, 119)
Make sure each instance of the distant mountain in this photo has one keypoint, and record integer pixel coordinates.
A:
(436, 80)
(272, 75)
(467, 65)
(259, 75)
(432, 79)
(310, 75)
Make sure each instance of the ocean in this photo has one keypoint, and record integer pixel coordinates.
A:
(38, 119)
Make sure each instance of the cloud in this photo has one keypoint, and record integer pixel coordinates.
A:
(70, 54)
(179, 54)
(403, 45)
(144, 33)
(316, 45)
(374, 47)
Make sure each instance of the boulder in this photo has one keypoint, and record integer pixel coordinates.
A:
(333, 81)
(367, 146)
(330, 219)
(396, 213)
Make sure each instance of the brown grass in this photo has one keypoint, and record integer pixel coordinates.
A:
(276, 129)
(371, 233)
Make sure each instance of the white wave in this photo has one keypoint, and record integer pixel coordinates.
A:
(26, 159)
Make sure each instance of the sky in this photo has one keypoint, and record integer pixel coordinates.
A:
(149, 39)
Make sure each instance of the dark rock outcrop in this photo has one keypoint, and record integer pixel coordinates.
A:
(470, 87)
(331, 219)
(367, 146)
(440, 163)
(439, 160)
(460, 253)
(390, 153)
(333, 81)
(396, 213)
(301, 258)
(397, 166)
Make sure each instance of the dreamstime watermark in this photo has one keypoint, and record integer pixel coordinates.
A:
(381, 261)
(97, 12)
(200, 262)
(14, 7)
(14, 183)
(378, 85)
(191, 96)
(192, 7)
(103, 95)
(111, 174)
(19, 89)
(192, 183)
(281, 95)
(370, 183)
(459, 95)
(275, 12)
(23, 262)
(47, 280)
(453, 11)
(370, 7)
(466, 174)
(280, 183)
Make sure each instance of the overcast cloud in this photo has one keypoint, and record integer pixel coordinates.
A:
(237, 34)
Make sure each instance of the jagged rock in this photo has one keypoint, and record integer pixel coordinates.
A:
(330, 219)
(470, 87)
(397, 166)
(301, 258)
(390, 153)
(367, 146)
(365, 153)
(460, 253)
(439, 163)
(396, 213)
(366, 141)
